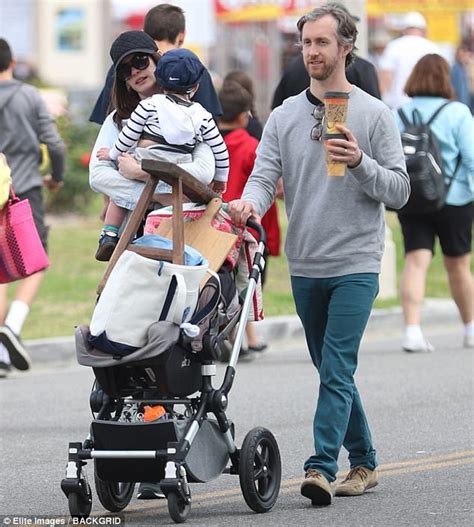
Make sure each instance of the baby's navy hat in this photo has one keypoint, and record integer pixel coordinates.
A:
(131, 42)
(179, 70)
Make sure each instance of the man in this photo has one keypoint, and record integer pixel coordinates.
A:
(295, 78)
(400, 56)
(335, 236)
(25, 123)
(166, 25)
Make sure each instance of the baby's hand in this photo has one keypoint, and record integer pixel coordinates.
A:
(103, 154)
(219, 187)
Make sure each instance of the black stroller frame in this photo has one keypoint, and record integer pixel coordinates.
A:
(187, 447)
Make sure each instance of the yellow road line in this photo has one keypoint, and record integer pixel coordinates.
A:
(406, 470)
(425, 464)
(382, 469)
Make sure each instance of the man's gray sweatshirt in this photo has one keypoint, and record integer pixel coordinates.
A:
(335, 224)
(25, 123)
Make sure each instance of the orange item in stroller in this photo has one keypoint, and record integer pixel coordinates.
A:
(152, 413)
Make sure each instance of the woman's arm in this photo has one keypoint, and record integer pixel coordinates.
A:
(124, 190)
(104, 176)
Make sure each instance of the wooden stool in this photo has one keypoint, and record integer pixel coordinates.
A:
(182, 184)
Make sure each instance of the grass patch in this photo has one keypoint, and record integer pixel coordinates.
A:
(67, 296)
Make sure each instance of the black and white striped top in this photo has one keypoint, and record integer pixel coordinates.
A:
(176, 125)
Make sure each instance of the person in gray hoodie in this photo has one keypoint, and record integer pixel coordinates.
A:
(335, 237)
(25, 123)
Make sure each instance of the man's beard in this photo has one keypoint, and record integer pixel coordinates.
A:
(328, 70)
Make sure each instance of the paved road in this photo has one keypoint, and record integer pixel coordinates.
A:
(420, 408)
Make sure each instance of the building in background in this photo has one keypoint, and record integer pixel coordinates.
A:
(66, 42)
(260, 38)
(448, 22)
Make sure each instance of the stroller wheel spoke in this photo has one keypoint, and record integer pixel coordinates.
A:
(265, 454)
(263, 485)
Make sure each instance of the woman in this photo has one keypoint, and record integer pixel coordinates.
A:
(430, 87)
(135, 80)
(135, 55)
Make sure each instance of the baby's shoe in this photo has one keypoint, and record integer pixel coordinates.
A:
(107, 243)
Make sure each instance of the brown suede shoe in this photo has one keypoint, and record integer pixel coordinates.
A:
(317, 488)
(357, 482)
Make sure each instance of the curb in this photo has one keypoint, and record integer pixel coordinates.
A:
(61, 350)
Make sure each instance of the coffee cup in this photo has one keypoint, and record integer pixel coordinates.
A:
(335, 112)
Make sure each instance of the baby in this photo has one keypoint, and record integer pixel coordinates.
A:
(167, 127)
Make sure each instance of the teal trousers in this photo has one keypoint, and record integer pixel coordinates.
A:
(334, 313)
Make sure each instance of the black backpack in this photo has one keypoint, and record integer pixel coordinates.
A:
(424, 165)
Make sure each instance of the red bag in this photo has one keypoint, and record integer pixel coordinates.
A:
(21, 251)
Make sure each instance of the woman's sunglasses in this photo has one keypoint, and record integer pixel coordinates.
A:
(139, 62)
(317, 130)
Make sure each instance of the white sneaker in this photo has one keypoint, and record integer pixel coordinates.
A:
(468, 341)
(417, 345)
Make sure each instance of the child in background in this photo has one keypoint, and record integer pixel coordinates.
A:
(254, 126)
(236, 102)
(166, 127)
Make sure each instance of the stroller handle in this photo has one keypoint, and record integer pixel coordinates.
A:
(257, 227)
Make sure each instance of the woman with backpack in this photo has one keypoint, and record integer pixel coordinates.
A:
(430, 87)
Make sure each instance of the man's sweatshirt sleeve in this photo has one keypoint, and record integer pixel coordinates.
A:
(261, 186)
(382, 173)
(48, 134)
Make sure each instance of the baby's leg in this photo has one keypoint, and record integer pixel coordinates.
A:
(114, 216)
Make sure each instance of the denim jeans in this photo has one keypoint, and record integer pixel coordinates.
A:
(334, 312)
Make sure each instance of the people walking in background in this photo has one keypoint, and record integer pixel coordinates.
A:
(377, 43)
(335, 237)
(166, 25)
(236, 103)
(400, 56)
(459, 75)
(165, 126)
(430, 87)
(25, 123)
(295, 78)
(254, 127)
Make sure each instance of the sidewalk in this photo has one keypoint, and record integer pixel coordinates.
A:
(273, 329)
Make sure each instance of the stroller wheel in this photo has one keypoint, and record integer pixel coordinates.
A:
(112, 495)
(178, 508)
(260, 469)
(78, 506)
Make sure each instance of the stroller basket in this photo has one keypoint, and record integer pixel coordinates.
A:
(206, 459)
(132, 436)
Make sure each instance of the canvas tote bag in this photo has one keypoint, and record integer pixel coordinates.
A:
(138, 292)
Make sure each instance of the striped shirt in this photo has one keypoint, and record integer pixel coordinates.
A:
(176, 125)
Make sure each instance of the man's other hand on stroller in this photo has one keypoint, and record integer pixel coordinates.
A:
(240, 211)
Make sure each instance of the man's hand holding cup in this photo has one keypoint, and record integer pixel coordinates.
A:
(345, 151)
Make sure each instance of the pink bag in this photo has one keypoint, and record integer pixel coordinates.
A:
(21, 251)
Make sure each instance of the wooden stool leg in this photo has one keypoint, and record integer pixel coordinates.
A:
(178, 226)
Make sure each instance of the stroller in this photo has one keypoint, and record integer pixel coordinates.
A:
(193, 441)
